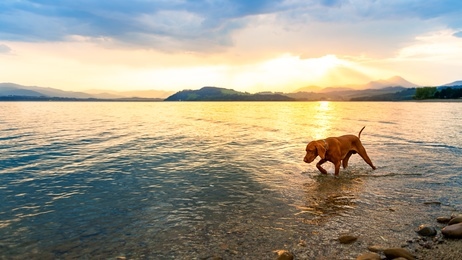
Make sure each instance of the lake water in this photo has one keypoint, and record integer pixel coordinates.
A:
(202, 180)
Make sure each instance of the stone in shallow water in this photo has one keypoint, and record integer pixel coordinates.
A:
(453, 231)
(376, 248)
(284, 255)
(347, 239)
(392, 253)
(369, 256)
(426, 230)
(443, 219)
(457, 219)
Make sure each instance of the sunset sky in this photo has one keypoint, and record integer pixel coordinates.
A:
(245, 45)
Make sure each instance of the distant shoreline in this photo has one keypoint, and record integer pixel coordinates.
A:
(57, 99)
(437, 100)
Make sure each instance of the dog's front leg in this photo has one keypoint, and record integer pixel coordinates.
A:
(318, 165)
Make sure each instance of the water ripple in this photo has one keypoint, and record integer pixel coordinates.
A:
(140, 180)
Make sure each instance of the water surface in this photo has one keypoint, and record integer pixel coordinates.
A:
(218, 179)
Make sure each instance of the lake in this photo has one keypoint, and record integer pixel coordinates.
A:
(219, 179)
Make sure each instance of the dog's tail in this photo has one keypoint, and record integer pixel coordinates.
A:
(359, 135)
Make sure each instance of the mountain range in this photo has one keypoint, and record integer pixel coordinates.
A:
(395, 81)
(395, 88)
(11, 89)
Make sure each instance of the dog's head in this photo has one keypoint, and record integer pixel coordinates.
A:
(313, 149)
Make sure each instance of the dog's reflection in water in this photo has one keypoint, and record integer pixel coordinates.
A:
(327, 197)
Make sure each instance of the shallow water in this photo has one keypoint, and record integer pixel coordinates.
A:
(197, 180)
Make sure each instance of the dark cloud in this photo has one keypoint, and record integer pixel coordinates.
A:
(133, 22)
(191, 24)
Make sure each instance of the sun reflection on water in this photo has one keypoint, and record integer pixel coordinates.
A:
(324, 117)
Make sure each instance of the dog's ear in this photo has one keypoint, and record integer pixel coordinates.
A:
(321, 150)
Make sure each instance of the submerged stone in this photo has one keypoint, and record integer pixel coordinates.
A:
(453, 231)
(369, 256)
(347, 239)
(284, 255)
(457, 219)
(392, 253)
(426, 230)
(443, 219)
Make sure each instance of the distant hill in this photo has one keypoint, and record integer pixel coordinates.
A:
(343, 94)
(455, 83)
(34, 92)
(223, 94)
(11, 90)
(403, 94)
(130, 94)
(395, 81)
(309, 89)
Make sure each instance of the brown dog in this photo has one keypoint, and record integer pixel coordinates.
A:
(336, 150)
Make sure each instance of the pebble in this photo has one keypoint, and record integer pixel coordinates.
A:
(284, 255)
(426, 230)
(455, 220)
(369, 256)
(376, 248)
(432, 203)
(347, 239)
(443, 219)
(453, 231)
(393, 253)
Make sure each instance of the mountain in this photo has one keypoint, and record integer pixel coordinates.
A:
(455, 83)
(11, 89)
(34, 91)
(395, 81)
(312, 88)
(109, 94)
(223, 94)
(404, 94)
(344, 94)
(336, 89)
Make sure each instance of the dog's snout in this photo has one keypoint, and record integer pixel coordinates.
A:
(307, 160)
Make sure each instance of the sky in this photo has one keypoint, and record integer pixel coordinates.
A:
(246, 45)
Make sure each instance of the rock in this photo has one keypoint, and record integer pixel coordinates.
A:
(393, 253)
(347, 239)
(432, 203)
(426, 230)
(453, 231)
(368, 256)
(455, 220)
(376, 248)
(443, 219)
(284, 255)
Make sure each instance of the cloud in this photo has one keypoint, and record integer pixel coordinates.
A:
(458, 34)
(365, 10)
(435, 46)
(215, 25)
(134, 22)
(5, 49)
(189, 21)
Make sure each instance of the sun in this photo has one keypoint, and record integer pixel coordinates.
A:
(291, 70)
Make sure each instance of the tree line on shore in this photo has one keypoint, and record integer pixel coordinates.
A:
(453, 92)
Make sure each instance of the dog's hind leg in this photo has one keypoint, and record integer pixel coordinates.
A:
(347, 157)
